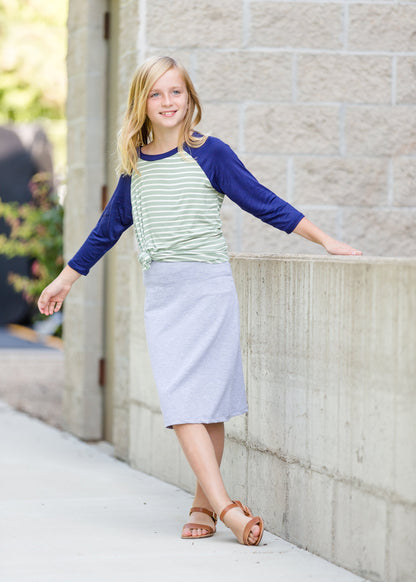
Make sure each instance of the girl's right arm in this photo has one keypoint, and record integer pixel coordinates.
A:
(53, 295)
(115, 219)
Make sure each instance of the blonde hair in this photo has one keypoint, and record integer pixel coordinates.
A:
(136, 129)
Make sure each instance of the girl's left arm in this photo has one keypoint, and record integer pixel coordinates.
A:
(311, 232)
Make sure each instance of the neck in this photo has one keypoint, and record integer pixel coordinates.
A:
(162, 142)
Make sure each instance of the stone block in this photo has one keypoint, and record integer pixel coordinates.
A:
(361, 227)
(270, 170)
(153, 449)
(186, 479)
(402, 544)
(122, 337)
(221, 120)
(360, 531)
(266, 397)
(165, 452)
(121, 432)
(381, 27)
(76, 52)
(344, 78)
(309, 510)
(236, 428)
(76, 143)
(368, 445)
(406, 80)
(297, 438)
(258, 237)
(182, 25)
(76, 102)
(380, 131)
(323, 417)
(404, 472)
(77, 16)
(96, 107)
(296, 25)
(234, 469)
(267, 479)
(241, 76)
(128, 27)
(141, 436)
(287, 129)
(404, 180)
(340, 181)
(128, 62)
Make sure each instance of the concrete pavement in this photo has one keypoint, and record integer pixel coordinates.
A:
(70, 512)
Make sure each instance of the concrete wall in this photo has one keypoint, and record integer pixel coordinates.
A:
(327, 451)
(86, 113)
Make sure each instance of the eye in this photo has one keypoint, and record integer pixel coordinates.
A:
(153, 95)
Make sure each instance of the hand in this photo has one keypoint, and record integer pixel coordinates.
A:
(311, 232)
(52, 297)
(334, 247)
(54, 294)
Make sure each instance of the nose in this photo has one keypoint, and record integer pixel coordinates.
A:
(166, 99)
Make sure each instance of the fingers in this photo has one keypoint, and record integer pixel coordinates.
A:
(50, 307)
(342, 249)
(47, 305)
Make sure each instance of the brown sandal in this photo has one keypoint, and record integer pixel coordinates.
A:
(211, 530)
(255, 521)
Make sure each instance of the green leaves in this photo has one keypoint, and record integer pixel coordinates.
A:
(36, 231)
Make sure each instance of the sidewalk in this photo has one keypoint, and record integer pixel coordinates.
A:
(69, 512)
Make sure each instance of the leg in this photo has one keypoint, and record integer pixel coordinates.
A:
(199, 450)
(216, 434)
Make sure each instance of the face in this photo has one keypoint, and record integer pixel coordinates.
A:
(167, 102)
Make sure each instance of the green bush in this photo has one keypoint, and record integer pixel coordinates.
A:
(36, 232)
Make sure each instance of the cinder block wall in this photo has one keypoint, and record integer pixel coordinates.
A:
(318, 98)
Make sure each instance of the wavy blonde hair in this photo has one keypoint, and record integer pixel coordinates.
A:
(136, 129)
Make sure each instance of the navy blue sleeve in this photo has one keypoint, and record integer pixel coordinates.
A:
(115, 219)
(229, 176)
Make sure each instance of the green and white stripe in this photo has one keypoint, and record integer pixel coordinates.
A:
(176, 212)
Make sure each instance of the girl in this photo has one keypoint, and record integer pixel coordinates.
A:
(171, 187)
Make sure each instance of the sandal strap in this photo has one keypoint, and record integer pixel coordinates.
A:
(227, 509)
(210, 529)
(244, 508)
(212, 514)
(255, 521)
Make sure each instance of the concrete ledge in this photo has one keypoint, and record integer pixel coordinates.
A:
(326, 452)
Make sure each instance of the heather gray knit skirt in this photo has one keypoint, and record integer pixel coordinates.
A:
(193, 336)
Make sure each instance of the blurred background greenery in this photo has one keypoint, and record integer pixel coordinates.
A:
(33, 85)
(33, 44)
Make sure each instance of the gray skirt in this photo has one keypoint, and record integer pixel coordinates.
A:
(193, 337)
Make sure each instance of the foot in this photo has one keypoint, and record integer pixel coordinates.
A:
(236, 519)
(195, 526)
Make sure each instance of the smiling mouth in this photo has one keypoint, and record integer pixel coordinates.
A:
(167, 113)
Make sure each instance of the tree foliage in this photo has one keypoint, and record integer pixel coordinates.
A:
(36, 231)
(32, 60)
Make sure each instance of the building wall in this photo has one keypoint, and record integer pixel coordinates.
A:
(326, 453)
(317, 98)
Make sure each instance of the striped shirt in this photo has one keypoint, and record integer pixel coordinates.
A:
(176, 203)
(176, 211)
